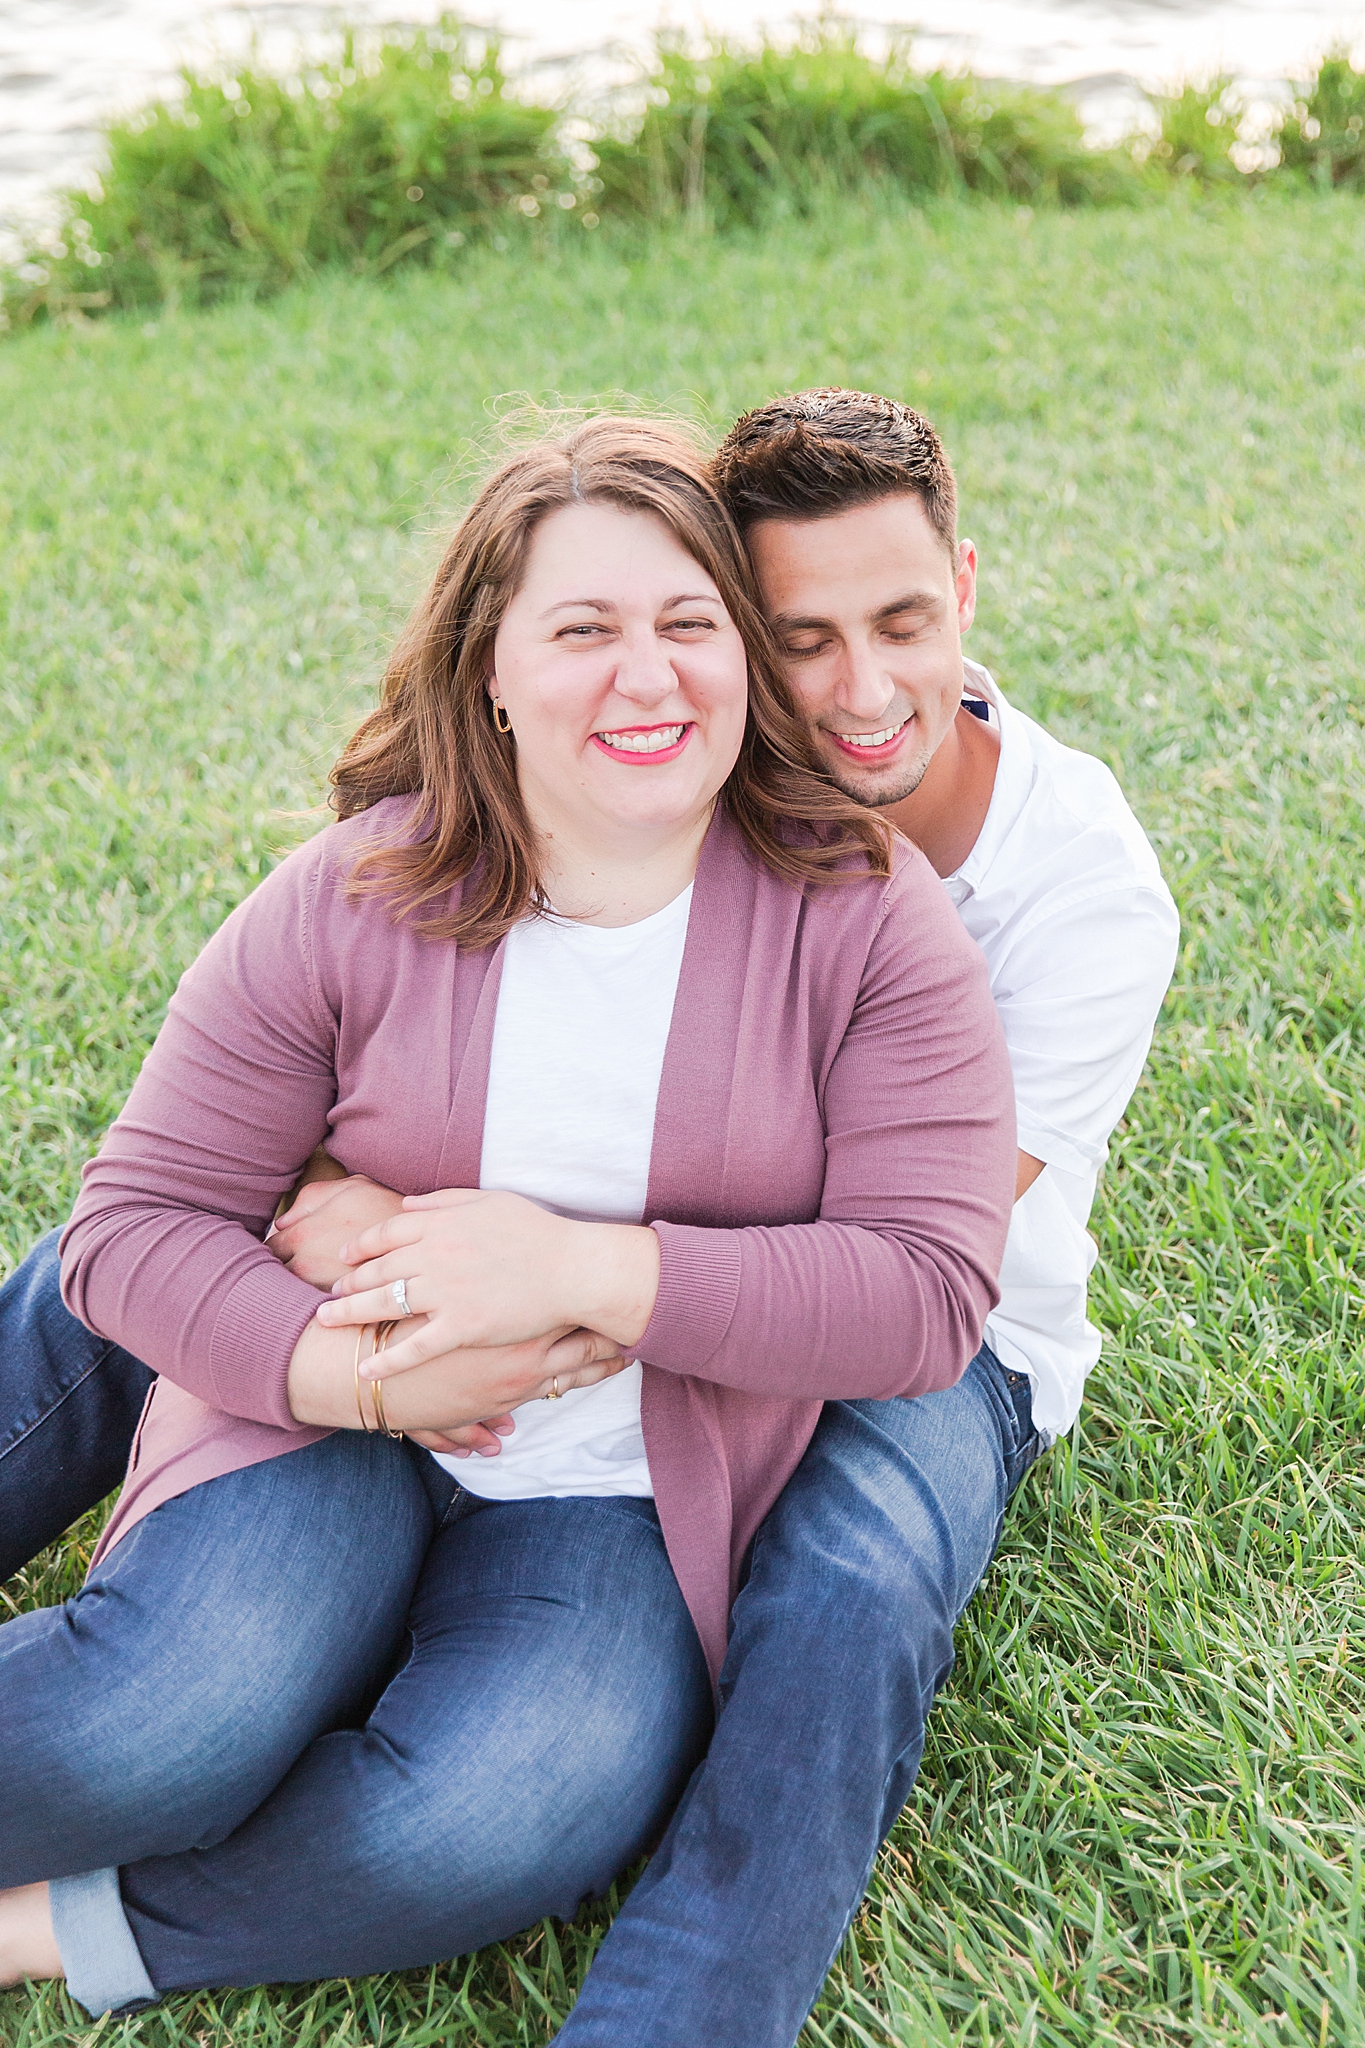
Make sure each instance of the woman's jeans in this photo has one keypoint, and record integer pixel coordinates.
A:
(203, 1715)
(522, 1743)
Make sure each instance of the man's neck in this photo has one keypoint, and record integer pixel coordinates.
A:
(945, 814)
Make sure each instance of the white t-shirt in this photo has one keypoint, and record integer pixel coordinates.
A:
(578, 1047)
(1063, 894)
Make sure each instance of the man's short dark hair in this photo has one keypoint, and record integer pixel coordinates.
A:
(818, 452)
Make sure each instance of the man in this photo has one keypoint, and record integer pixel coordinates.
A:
(842, 1632)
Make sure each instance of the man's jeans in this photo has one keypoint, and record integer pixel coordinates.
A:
(69, 1404)
(379, 1847)
(840, 1639)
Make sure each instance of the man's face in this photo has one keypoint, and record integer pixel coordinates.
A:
(870, 610)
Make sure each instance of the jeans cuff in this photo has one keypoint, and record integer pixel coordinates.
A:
(103, 1964)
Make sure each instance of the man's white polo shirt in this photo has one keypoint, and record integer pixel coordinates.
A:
(1063, 894)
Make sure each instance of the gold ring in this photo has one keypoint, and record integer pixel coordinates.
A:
(553, 1394)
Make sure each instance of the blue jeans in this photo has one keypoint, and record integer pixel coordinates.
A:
(69, 1404)
(202, 1718)
(841, 1637)
(842, 1634)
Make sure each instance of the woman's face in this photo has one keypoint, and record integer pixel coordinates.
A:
(624, 677)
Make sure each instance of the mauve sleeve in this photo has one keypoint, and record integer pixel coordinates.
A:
(887, 1293)
(163, 1252)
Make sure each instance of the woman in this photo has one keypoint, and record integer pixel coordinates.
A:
(703, 1073)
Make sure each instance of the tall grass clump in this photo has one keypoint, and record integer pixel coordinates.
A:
(1323, 136)
(727, 133)
(404, 149)
(1199, 128)
(414, 144)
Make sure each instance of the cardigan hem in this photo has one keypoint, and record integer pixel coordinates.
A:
(699, 1282)
(263, 1317)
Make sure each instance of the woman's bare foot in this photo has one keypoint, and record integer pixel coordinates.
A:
(28, 1947)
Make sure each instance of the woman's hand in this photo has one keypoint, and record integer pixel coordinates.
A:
(450, 1391)
(486, 1269)
(308, 1238)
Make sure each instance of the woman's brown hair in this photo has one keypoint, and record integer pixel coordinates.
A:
(432, 734)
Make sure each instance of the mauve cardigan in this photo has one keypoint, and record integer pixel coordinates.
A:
(831, 1175)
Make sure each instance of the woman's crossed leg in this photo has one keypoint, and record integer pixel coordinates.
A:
(155, 1710)
(552, 1704)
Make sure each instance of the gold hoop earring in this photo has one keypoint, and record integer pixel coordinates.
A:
(500, 718)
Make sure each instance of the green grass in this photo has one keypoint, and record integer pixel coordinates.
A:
(409, 144)
(1140, 1815)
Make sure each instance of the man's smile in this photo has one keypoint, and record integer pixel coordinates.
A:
(870, 746)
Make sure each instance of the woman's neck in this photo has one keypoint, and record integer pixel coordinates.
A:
(620, 882)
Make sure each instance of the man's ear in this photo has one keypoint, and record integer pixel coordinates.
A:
(964, 583)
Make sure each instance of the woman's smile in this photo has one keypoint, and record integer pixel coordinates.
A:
(645, 744)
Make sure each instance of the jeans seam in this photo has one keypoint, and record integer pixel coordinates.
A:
(24, 1434)
(462, 1504)
(1027, 1448)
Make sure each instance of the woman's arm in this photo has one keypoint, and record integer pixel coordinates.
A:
(163, 1252)
(885, 1295)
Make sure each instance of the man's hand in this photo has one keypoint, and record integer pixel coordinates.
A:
(437, 1401)
(578, 1360)
(309, 1236)
(483, 1438)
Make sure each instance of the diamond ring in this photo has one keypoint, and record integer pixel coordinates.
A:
(399, 1291)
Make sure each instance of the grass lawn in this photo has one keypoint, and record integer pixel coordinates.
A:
(1141, 1817)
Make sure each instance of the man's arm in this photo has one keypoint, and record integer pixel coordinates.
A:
(1078, 994)
(320, 1167)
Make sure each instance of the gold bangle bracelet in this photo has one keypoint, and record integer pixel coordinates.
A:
(381, 1338)
(359, 1404)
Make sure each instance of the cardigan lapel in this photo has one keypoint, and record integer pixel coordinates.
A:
(687, 1158)
(473, 1010)
(691, 1122)
(681, 1416)
(692, 1118)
